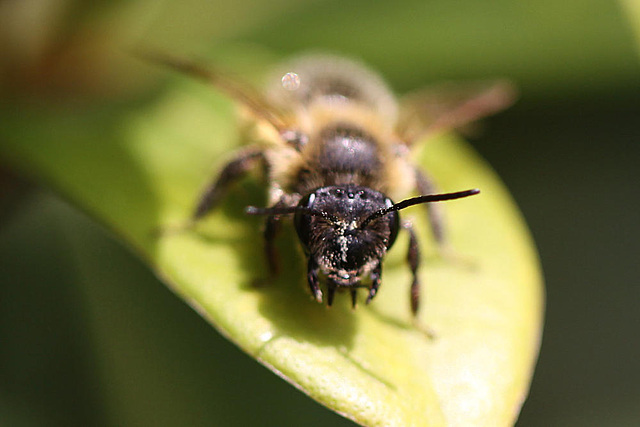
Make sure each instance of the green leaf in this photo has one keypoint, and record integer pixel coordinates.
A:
(631, 9)
(139, 168)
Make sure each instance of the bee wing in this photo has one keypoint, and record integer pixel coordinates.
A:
(241, 92)
(451, 106)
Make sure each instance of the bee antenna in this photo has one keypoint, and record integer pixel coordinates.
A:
(287, 210)
(417, 201)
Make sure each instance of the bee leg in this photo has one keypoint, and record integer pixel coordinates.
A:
(413, 258)
(425, 185)
(376, 275)
(312, 278)
(331, 291)
(232, 171)
(354, 298)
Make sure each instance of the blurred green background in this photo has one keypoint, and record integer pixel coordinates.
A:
(88, 336)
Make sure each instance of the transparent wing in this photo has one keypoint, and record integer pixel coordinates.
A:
(451, 106)
(241, 92)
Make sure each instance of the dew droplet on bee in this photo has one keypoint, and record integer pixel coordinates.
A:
(291, 81)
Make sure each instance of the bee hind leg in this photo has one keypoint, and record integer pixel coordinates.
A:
(435, 215)
(232, 172)
(425, 185)
(210, 198)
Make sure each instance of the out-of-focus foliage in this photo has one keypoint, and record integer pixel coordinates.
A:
(134, 366)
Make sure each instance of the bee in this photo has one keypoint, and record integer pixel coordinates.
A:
(334, 145)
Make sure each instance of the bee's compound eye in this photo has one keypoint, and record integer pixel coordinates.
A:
(394, 223)
(311, 198)
(307, 201)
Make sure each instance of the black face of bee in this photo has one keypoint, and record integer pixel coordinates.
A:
(336, 233)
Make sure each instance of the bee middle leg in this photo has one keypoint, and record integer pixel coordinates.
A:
(272, 227)
(413, 258)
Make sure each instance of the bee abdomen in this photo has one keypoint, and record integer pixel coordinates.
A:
(327, 80)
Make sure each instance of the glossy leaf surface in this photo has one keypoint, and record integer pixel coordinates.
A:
(139, 168)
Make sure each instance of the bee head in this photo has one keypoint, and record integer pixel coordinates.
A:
(334, 228)
(346, 230)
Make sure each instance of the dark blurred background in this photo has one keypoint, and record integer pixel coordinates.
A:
(88, 336)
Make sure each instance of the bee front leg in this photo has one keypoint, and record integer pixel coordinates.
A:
(376, 276)
(234, 170)
(413, 258)
(331, 291)
(312, 278)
